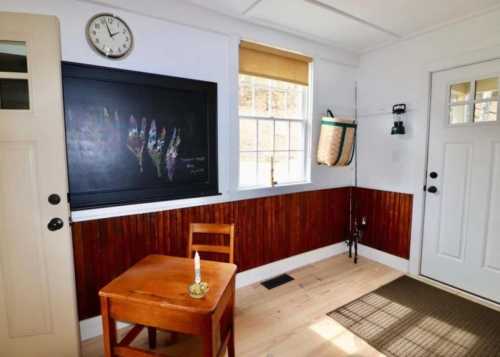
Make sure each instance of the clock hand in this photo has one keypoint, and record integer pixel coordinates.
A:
(108, 30)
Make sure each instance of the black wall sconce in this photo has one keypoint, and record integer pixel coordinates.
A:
(399, 113)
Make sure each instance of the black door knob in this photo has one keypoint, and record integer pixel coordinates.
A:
(433, 175)
(432, 189)
(55, 224)
(54, 199)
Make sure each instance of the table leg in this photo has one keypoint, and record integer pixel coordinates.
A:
(230, 343)
(210, 340)
(152, 337)
(108, 328)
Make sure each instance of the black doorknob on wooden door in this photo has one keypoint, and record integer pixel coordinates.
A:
(432, 189)
(54, 199)
(55, 224)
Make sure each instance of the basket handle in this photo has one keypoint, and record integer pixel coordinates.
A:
(330, 113)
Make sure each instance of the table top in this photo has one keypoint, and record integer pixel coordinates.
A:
(163, 281)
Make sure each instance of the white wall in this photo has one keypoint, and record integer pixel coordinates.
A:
(400, 74)
(175, 38)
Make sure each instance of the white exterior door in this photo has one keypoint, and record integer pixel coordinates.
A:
(462, 218)
(37, 290)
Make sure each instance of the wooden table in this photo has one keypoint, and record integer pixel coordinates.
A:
(153, 293)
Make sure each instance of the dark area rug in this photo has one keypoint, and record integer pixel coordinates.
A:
(409, 318)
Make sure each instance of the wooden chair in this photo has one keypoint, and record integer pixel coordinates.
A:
(202, 228)
(212, 228)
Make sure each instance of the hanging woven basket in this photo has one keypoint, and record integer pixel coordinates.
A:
(337, 141)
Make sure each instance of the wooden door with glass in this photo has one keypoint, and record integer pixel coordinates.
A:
(462, 231)
(37, 287)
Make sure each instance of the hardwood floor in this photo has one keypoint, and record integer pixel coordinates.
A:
(290, 320)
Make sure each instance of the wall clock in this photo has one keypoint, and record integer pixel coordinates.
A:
(109, 36)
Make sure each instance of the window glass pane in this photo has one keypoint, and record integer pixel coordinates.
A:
(266, 134)
(14, 94)
(459, 114)
(278, 103)
(248, 169)
(281, 167)
(261, 82)
(13, 57)
(281, 136)
(245, 100)
(296, 136)
(245, 80)
(487, 89)
(261, 101)
(264, 168)
(294, 103)
(248, 135)
(460, 92)
(280, 85)
(485, 111)
(296, 166)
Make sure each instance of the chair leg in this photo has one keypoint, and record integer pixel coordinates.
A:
(152, 337)
(230, 344)
(174, 336)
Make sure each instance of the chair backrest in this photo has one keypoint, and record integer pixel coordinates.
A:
(212, 228)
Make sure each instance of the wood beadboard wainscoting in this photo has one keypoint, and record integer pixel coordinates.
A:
(267, 229)
(389, 216)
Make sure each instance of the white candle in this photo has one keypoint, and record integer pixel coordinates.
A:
(197, 268)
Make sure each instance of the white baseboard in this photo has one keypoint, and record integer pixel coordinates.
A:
(384, 258)
(92, 327)
(282, 266)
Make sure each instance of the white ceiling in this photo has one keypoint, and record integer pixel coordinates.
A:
(357, 25)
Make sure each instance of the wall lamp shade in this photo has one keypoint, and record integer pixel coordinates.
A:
(399, 113)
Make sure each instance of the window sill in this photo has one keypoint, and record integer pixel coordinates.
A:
(262, 191)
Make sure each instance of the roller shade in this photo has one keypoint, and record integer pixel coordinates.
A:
(273, 63)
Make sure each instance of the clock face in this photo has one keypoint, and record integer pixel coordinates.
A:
(109, 35)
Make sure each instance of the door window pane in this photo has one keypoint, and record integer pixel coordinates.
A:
(460, 92)
(485, 111)
(459, 114)
(14, 94)
(13, 57)
(487, 89)
(248, 135)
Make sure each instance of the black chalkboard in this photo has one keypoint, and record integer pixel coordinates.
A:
(135, 137)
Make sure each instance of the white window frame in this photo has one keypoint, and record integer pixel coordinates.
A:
(306, 120)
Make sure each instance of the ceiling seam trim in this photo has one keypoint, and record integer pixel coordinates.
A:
(352, 17)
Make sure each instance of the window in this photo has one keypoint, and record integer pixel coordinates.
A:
(273, 121)
(14, 93)
(474, 102)
(272, 131)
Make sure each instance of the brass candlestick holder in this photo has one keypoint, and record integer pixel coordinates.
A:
(198, 290)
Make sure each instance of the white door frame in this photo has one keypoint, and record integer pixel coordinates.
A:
(417, 231)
